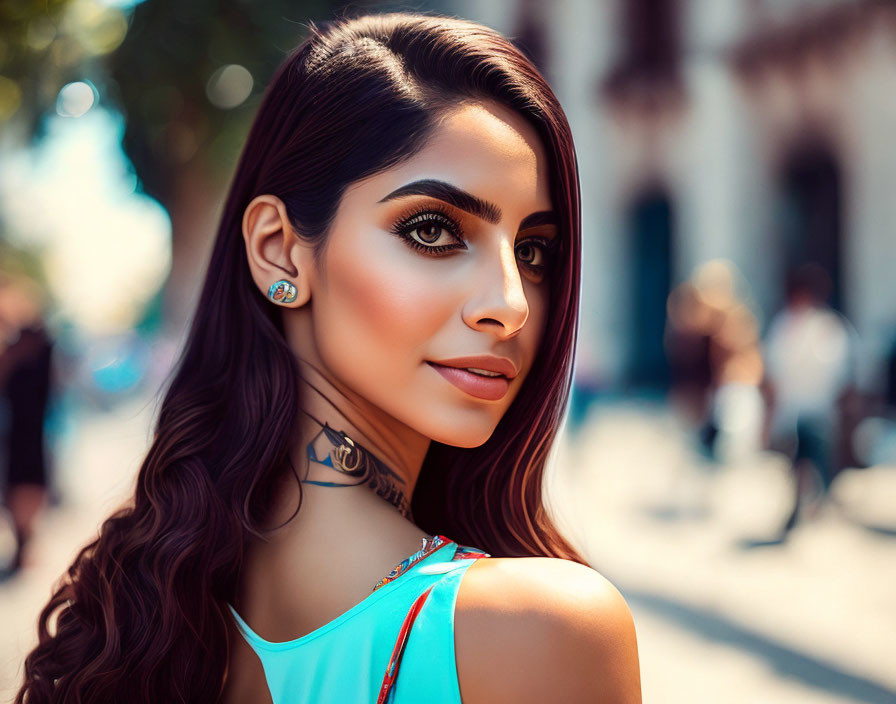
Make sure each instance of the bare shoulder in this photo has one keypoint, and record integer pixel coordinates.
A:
(537, 629)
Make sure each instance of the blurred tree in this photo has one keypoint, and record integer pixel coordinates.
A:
(34, 59)
(45, 44)
(189, 77)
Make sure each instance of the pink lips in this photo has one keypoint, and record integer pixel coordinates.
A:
(488, 388)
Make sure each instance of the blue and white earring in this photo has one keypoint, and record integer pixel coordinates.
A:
(282, 291)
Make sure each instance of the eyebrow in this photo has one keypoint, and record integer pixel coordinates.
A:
(464, 200)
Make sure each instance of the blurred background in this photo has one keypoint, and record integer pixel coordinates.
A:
(729, 456)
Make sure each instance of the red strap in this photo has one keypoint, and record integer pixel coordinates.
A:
(398, 650)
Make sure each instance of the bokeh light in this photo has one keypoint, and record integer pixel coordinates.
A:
(75, 99)
(229, 86)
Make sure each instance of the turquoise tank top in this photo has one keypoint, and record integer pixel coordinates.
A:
(396, 645)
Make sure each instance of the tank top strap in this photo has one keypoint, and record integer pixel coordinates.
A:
(465, 552)
(425, 645)
(426, 553)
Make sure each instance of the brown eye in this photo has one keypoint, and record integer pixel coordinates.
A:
(430, 232)
(536, 253)
(423, 228)
(529, 253)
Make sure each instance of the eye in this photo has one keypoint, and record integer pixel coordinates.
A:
(421, 229)
(537, 253)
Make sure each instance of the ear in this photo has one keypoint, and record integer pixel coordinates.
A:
(273, 249)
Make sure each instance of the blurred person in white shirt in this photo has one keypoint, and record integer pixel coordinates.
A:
(809, 356)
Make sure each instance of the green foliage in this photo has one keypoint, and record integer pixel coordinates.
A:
(18, 261)
(160, 76)
(35, 58)
(154, 63)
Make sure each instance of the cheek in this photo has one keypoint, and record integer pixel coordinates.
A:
(379, 311)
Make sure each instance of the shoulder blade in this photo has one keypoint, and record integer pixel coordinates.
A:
(543, 629)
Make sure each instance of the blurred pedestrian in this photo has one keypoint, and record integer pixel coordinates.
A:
(690, 322)
(890, 390)
(809, 355)
(712, 345)
(25, 369)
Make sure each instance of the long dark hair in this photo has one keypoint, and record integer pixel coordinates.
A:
(141, 611)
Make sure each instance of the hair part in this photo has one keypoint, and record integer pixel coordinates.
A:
(141, 610)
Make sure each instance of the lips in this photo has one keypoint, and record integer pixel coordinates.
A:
(489, 388)
(488, 362)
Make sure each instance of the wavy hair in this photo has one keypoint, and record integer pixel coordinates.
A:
(141, 612)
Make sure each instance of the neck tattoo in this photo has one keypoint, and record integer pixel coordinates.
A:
(354, 461)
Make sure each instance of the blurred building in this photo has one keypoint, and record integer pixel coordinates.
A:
(753, 131)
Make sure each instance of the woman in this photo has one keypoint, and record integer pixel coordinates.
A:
(406, 206)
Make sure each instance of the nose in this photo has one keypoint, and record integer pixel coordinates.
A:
(498, 303)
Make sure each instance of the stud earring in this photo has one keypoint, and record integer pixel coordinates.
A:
(282, 291)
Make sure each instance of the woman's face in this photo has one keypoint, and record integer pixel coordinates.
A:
(454, 266)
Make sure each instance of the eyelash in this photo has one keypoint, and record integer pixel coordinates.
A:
(409, 222)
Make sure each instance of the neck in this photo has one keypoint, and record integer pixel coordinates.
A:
(325, 537)
(360, 513)
(382, 454)
(336, 461)
(372, 502)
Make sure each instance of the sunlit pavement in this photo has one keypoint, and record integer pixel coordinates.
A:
(96, 463)
(721, 614)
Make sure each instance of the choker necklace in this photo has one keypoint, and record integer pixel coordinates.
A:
(354, 461)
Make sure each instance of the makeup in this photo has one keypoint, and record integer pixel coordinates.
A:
(484, 387)
(435, 218)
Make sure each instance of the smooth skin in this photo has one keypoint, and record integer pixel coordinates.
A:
(362, 327)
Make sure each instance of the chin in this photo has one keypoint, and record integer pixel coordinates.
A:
(474, 437)
(467, 445)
